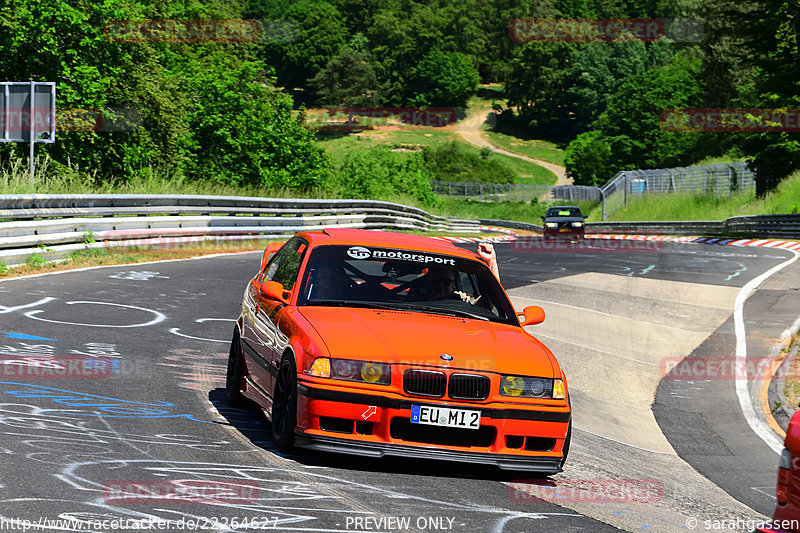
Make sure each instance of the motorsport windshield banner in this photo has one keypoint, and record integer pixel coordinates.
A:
(413, 259)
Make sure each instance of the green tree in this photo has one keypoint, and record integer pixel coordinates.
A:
(443, 79)
(772, 49)
(207, 109)
(243, 131)
(631, 135)
(349, 78)
(320, 33)
(536, 87)
(596, 72)
(588, 159)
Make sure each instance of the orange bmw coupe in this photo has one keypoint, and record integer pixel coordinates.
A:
(376, 343)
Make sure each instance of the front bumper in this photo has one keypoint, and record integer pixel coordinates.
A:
(518, 437)
(546, 465)
(567, 233)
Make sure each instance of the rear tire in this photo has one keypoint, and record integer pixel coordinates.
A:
(235, 373)
(284, 405)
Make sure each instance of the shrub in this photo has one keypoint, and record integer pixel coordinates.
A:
(379, 173)
(454, 162)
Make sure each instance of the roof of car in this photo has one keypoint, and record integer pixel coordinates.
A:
(385, 239)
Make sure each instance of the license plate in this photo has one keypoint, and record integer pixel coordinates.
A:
(564, 229)
(444, 416)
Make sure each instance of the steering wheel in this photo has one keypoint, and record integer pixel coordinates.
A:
(446, 296)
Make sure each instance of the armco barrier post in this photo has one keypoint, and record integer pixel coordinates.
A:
(602, 205)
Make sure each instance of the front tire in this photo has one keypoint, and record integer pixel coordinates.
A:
(235, 373)
(284, 405)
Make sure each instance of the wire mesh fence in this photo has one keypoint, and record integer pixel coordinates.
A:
(723, 179)
(492, 192)
(574, 193)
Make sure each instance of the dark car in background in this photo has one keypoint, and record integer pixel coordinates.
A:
(564, 222)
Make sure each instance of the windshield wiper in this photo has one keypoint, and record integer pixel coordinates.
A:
(440, 311)
(352, 303)
(398, 306)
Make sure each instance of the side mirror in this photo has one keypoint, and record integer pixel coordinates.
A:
(533, 314)
(542, 217)
(272, 290)
(269, 252)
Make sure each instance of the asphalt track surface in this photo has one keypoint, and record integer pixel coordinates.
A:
(152, 411)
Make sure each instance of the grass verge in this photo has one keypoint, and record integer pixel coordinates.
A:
(784, 199)
(119, 256)
(537, 149)
(529, 212)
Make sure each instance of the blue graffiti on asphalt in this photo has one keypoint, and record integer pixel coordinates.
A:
(104, 405)
(26, 337)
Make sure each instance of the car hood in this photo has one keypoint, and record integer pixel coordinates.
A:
(421, 338)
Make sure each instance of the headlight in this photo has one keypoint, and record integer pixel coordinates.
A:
(321, 367)
(364, 371)
(577, 224)
(551, 224)
(529, 387)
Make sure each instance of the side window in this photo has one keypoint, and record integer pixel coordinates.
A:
(285, 266)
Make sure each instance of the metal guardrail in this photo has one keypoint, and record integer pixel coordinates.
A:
(778, 226)
(53, 226)
(754, 226)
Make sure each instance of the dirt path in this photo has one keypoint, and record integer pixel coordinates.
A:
(470, 130)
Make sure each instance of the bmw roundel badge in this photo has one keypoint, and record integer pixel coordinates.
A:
(446, 357)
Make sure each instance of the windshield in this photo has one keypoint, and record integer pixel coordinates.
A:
(564, 212)
(404, 280)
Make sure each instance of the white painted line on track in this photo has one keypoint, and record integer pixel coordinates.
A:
(98, 267)
(594, 349)
(759, 428)
(623, 443)
(791, 330)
